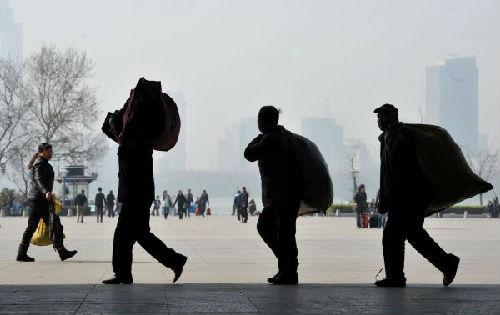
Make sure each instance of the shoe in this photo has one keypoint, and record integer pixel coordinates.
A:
(66, 254)
(449, 275)
(179, 268)
(22, 254)
(273, 278)
(119, 280)
(284, 279)
(391, 283)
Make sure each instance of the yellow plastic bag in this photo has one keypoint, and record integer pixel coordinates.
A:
(41, 235)
(57, 205)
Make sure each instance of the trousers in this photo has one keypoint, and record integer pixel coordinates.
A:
(99, 213)
(40, 210)
(133, 226)
(277, 227)
(401, 228)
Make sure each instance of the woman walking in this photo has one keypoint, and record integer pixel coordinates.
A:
(40, 196)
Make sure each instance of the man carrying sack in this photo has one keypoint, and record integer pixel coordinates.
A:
(295, 181)
(149, 120)
(422, 171)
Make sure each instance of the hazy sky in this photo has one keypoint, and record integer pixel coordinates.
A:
(311, 58)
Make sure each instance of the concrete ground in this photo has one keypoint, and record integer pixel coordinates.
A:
(228, 266)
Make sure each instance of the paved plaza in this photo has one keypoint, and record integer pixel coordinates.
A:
(228, 266)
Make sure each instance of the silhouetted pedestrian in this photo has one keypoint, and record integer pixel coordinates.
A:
(166, 204)
(244, 205)
(156, 206)
(361, 206)
(136, 185)
(181, 202)
(281, 193)
(41, 180)
(496, 207)
(99, 204)
(81, 204)
(189, 202)
(235, 202)
(110, 204)
(404, 194)
(236, 205)
(202, 202)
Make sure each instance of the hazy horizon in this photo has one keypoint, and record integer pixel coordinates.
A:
(336, 59)
(310, 58)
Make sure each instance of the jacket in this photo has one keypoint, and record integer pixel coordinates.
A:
(100, 200)
(403, 184)
(41, 179)
(135, 174)
(110, 200)
(281, 180)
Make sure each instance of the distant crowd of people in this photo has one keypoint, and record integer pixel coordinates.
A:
(242, 206)
(186, 204)
(101, 202)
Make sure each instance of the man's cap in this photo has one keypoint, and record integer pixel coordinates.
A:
(386, 108)
(43, 146)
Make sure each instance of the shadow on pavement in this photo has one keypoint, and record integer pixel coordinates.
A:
(244, 298)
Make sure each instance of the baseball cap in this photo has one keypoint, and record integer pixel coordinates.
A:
(386, 108)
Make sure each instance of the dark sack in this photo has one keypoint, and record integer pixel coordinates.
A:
(148, 116)
(448, 174)
(317, 184)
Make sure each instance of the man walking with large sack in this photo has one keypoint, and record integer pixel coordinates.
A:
(412, 186)
(137, 136)
(281, 193)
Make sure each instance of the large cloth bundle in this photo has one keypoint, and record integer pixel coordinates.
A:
(447, 172)
(317, 183)
(149, 116)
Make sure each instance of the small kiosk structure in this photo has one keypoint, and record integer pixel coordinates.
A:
(73, 181)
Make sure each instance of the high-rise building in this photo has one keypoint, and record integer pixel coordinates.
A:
(328, 136)
(231, 148)
(452, 99)
(11, 33)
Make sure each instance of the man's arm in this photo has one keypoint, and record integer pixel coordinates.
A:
(38, 176)
(257, 148)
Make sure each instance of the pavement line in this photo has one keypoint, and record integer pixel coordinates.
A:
(7, 266)
(84, 297)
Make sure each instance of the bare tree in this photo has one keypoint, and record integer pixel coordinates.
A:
(18, 173)
(13, 106)
(64, 106)
(484, 164)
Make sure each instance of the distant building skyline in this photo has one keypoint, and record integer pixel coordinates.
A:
(230, 149)
(11, 33)
(328, 135)
(452, 99)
